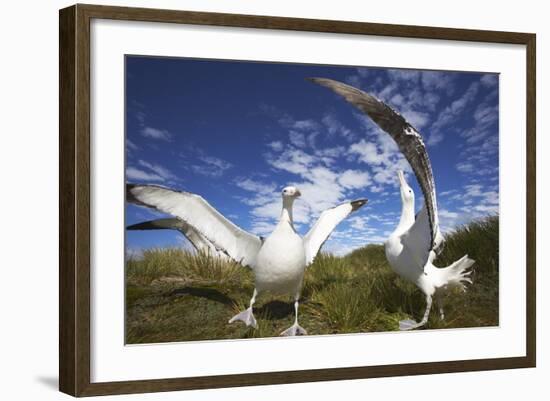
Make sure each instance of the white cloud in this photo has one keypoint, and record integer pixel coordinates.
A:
(417, 119)
(376, 189)
(306, 125)
(277, 146)
(485, 117)
(368, 152)
(149, 172)
(438, 81)
(405, 75)
(211, 166)
(133, 173)
(445, 214)
(255, 186)
(329, 155)
(489, 80)
(157, 169)
(140, 116)
(155, 133)
(354, 179)
(465, 167)
(387, 92)
(298, 139)
(131, 146)
(358, 222)
(397, 99)
(384, 159)
(451, 113)
(293, 160)
(485, 114)
(335, 127)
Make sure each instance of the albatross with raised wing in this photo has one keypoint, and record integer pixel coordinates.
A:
(415, 243)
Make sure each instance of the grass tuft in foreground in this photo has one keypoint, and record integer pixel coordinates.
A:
(174, 295)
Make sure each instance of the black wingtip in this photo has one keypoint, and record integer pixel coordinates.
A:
(357, 204)
(146, 225)
(134, 227)
(129, 195)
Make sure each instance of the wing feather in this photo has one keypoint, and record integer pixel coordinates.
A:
(408, 140)
(325, 225)
(199, 214)
(199, 241)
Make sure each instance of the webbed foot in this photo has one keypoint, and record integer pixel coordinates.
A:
(245, 316)
(408, 324)
(294, 330)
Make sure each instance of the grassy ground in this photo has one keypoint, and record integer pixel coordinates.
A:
(172, 295)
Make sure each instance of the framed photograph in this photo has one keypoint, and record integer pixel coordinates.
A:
(250, 200)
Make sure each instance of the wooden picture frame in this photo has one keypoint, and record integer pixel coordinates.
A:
(74, 199)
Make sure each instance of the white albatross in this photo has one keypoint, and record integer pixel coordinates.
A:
(278, 261)
(197, 240)
(413, 246)
(406, 244)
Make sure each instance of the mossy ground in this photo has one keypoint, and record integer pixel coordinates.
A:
(173, 295)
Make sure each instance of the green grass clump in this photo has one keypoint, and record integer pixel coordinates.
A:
(186, 266)
(175, 295)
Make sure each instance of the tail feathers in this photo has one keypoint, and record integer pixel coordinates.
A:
(458, 274)
(158, 224)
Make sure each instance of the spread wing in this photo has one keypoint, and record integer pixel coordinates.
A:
(199, 214)
(324, 226)
(196, 239)
(408, 140)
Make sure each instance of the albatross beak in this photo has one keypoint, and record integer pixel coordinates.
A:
(297, 194)
(401, 177)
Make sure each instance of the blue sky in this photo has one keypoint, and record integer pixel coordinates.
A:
(238, 132)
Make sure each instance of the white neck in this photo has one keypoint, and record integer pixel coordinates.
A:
(407, 218)
(286, 214)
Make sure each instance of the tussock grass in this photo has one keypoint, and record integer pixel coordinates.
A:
(174, 295)
(186, 266)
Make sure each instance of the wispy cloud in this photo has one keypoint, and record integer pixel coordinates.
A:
(489, 80)
(276, 146)
(131, 146)
(335, 127)
(149, 172)
(156, 133)
(211, 166)
(157, 169)
(451, 113)
(133, 173)
(197, 160)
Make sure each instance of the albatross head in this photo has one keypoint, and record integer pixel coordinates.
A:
(291, 193)
(407, 194)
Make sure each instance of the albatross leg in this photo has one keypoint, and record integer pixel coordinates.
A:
(411, 324)
(295, 329)
(247, 316)
(439, 301)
